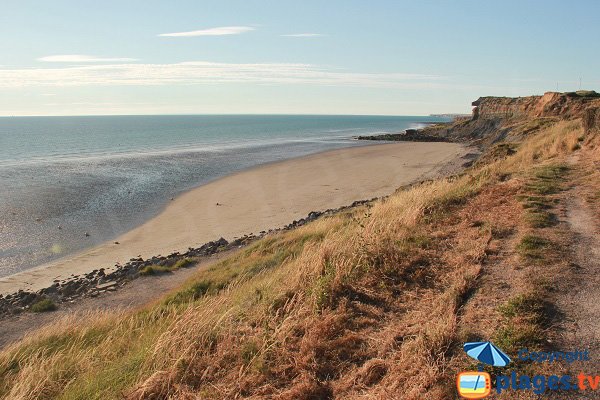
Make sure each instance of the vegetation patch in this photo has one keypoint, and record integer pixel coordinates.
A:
(548, 179)
(533, 247)
(497, 152)
(540, 219)
(44, 306)
(161, 269)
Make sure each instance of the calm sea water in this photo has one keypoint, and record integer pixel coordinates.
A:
(106, 175)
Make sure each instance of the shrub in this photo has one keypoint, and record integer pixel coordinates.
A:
(43, 306)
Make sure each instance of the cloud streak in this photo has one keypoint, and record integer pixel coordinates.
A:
(202, 72)
(304, 35)
(81, 58)
(219, 31)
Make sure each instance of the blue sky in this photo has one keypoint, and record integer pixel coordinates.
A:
(292, 57)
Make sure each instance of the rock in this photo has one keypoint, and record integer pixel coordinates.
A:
(68, 289)
(106, 286)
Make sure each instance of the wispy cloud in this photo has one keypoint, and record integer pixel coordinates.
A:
(81, 58)
(202, 72)
(220, 31)
(304, 35)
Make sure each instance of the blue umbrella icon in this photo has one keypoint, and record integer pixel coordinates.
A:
(487, 353)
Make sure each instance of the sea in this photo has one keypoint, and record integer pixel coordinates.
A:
(63, 177)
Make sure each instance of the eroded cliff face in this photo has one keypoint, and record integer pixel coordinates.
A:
(505, 118)
(591, 120)
(551, 104)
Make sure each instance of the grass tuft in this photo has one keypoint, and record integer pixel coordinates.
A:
(540, 219)
(44, 306)
(548, 179)
(161, 269)
(532, 246)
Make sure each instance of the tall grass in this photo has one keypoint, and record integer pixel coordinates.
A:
(291, 313)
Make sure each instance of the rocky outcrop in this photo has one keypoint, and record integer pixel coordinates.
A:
(409, 135)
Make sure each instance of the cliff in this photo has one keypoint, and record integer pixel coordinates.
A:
(551, 104)
(509, 118)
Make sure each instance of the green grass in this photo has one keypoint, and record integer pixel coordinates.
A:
(249, 351)
(548, 179)
(263, 255)
(543, 219)
(525, 315)
(525, 319)
(532, 246)
(183, 263)
(544, 182)
(196, 291)
(537, 211)
(536, 202)
(322, 287)
(513, 337)
(44, 306)
(529, 304)
(161, 269)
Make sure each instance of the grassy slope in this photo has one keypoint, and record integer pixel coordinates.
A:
(375, 301)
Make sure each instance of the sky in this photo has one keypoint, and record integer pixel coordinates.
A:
(82, 57)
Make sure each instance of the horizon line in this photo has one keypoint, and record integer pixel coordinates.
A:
(228, 114)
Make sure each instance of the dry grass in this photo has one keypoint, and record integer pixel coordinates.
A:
(364, 303)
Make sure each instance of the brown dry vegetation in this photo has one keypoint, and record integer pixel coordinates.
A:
(369, 303)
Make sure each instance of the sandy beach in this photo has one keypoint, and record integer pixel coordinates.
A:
(265, 197)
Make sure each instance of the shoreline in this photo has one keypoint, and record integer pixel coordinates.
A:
(256, 199)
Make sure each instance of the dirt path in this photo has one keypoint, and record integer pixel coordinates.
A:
(583, 304)
(578, 297)
(135, 294)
